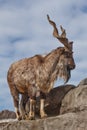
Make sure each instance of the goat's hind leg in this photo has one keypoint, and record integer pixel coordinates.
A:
(15, 95)
(23, 104)
(16, 105)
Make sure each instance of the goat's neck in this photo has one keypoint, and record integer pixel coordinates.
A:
(48, 71)
(51, 61)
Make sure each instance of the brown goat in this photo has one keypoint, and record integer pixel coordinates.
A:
(38, 73)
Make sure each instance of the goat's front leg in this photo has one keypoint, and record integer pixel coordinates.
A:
(42, 104)
(32, 109)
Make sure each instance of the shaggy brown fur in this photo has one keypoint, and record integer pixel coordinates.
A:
(38, 73)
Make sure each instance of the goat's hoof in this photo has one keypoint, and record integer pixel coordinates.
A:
(31, 116)
(43, 115)
(25, 117)
(19, 118)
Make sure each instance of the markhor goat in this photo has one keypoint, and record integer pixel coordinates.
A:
(38, 73)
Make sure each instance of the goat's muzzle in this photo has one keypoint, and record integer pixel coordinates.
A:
(71, 67)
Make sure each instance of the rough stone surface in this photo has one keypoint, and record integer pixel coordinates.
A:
(69, 121)
(83, 82)
(71, 114)
(6, 114)
(54, 99)
(75, 100)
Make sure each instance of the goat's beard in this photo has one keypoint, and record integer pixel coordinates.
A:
(64, 73)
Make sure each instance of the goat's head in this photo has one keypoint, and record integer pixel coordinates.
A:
(66, 62)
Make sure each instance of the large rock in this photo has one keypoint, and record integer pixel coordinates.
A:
(55, 97)
(69, 121)
(75, 100)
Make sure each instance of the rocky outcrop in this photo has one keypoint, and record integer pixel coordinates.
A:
(75, 100)
(67, 107)
(70, 121)
(54, 99)
(83, 82)
(6, 114)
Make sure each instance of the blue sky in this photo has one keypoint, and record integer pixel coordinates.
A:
(25, 31)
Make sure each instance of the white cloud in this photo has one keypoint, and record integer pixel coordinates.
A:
(25, 31)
